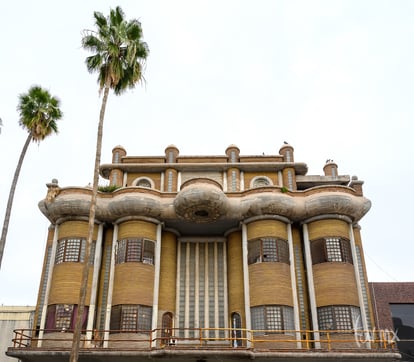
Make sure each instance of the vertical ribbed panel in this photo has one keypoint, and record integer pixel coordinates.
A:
(300, 286)
(44, 283)
(363, 286)
(104, 299)
(201, 269)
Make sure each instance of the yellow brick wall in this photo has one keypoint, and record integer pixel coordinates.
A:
(235, 275)
(335, 284)
(270, 284)
(329, 227)
(66, 283)
(249, 176)
(266, 228)
(168, 272)
(133, 284)
(76, 229)
(155, 177)
(137, 228)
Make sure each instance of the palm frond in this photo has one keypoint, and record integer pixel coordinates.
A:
(38, 112)
(119, 53)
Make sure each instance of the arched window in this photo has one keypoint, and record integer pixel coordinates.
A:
(260, 181)
(143, 182)
(236, 333)
(167, 328)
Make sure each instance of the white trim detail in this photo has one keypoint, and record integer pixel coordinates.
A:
(311, 287)
(48, 283)
(110, 288)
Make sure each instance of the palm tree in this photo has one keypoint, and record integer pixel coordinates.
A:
(119, 55)
(38, 113)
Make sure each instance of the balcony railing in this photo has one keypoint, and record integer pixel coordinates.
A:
(209, 338)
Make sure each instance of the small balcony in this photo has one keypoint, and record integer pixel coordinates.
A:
(206, 344)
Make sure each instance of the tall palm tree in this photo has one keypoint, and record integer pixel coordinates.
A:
(38, 113)
(119, 55)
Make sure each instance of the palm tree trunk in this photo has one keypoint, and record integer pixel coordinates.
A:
(11, 197)
(85, 271)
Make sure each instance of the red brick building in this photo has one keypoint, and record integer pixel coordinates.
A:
(394, 311)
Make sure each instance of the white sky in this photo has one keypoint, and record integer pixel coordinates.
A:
(333, 78)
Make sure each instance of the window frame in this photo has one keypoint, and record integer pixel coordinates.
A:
(331, 249)
(268, 249)
(68, 252)
(272, 319)
(131, 318)
(341, 318)
(260, 181)
(143, 179)
(139, 250)
(62, 317)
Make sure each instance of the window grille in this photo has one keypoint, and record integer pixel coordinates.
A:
(130, 318)
(331, 249)
(339, 317)
(135, 250)
(272, 319)
(268, 250)
(73, 250)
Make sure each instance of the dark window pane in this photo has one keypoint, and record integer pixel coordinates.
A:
(403, 320)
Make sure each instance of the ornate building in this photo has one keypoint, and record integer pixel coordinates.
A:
(196, 257)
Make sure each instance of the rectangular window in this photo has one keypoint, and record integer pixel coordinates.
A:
(339, 317)
(331, 249)
(290, 180)
(268, 250)
(116, 157)
(288, 156)
(135, 250)
(233, 156)
(233, 181)
(170, 181)
(272, 318)
(73, 250)
(63, 316)
(403, 320)
(171, 157)
(130, 318)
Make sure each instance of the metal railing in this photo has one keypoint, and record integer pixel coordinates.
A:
(209, 338)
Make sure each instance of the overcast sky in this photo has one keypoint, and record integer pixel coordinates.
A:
(333, 78)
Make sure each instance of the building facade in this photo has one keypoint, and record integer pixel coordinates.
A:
(394, 311)
(11, 318)
(199, 256)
